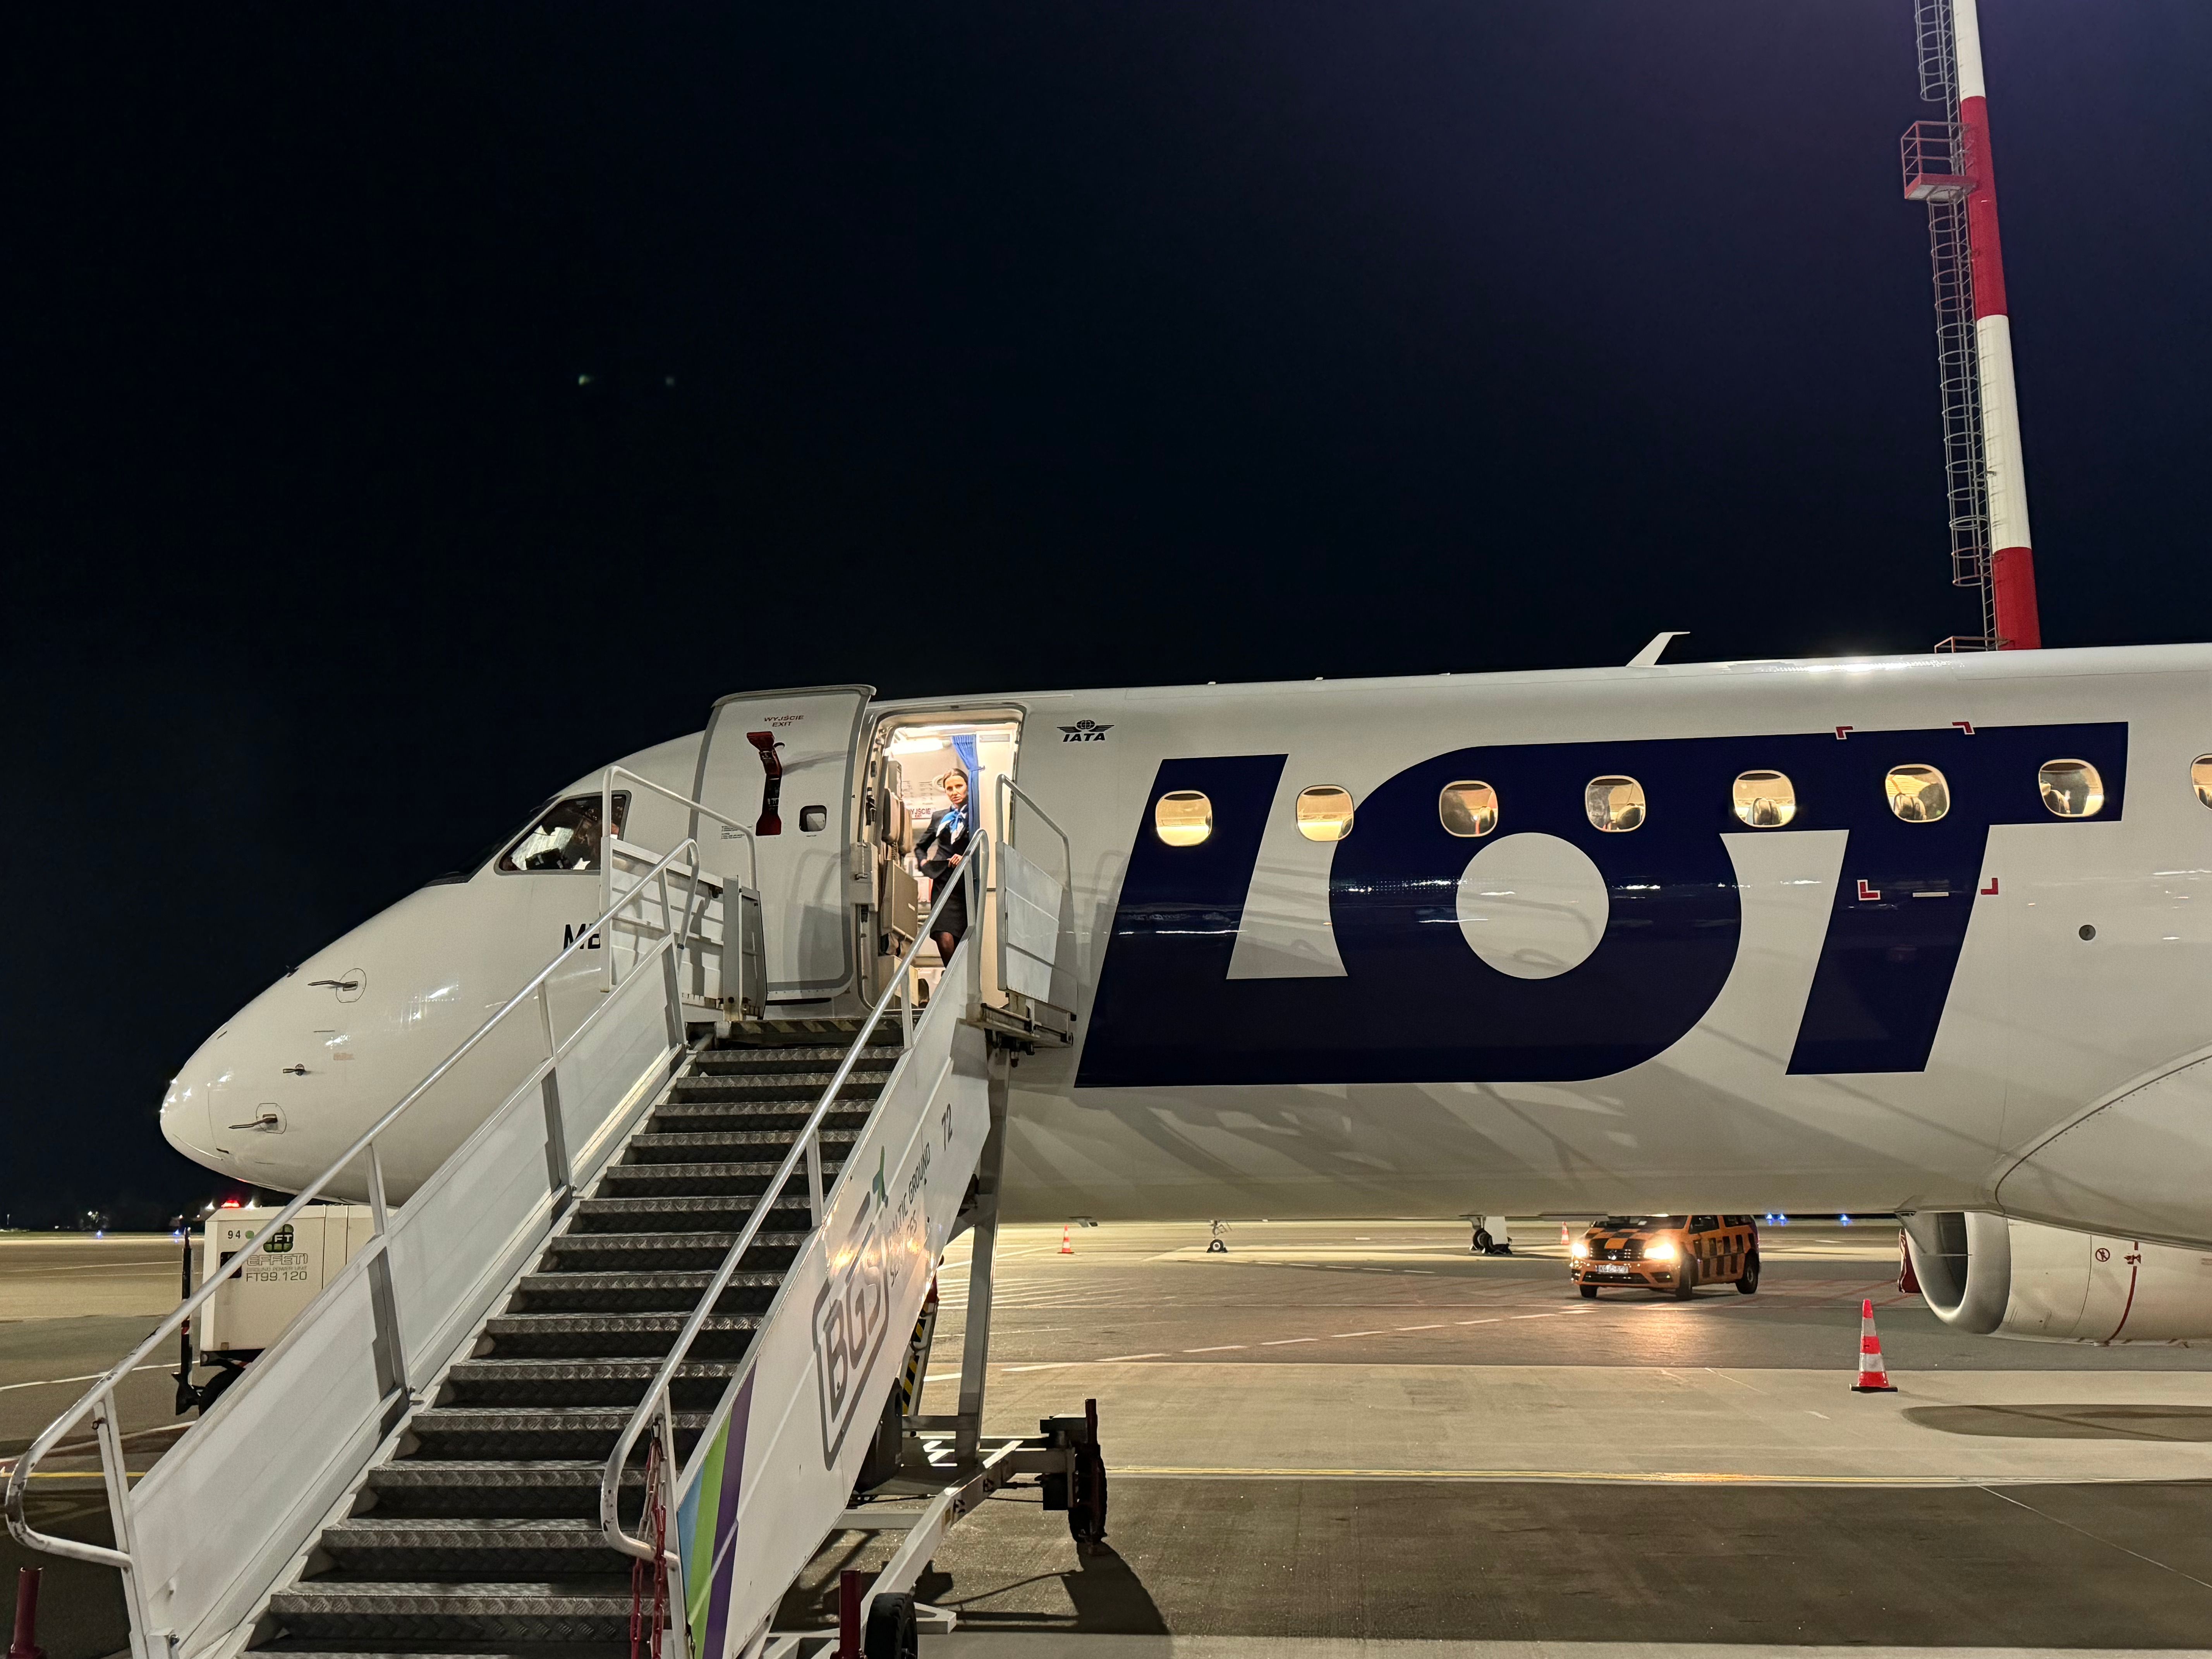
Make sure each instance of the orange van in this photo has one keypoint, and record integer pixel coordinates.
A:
(1675, 1253)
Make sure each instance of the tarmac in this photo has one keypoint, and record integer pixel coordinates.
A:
(1357, 1441)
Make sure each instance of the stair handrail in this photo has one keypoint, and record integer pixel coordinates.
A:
(100, 1397)
(606, 807)
(807, 1144)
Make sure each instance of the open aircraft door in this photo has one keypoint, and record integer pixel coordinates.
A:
(1029, 964)
(782, 763)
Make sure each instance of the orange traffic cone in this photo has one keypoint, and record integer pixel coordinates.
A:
(1873, 1379)
(1565, 1243)
(1067, 1244)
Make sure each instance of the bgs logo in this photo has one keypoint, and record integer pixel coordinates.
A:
(1085, 731)
(851, 1318)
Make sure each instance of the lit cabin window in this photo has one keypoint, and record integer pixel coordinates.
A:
(1615, 803)
(2071, 788)
(1917, 793)
(1183, 817)
(1324, 812)
(1467, 809)
(1765, 800)
(2200, 773)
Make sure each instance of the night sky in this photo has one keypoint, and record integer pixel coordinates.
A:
(410, 407)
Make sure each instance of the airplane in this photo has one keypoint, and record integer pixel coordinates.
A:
(1913, 933)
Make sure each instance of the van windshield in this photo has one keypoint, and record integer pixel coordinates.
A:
(1629, 1224)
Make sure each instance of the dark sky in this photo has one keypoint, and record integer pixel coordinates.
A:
(965, 347)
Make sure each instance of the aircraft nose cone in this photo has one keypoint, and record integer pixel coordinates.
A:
(184, 1121)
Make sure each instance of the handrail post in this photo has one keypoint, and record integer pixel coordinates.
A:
(814, 1174)
(385, 1346)
(560, 1173)
(115, 1475)
(607, 874)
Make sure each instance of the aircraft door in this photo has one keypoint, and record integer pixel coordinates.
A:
(782, 763)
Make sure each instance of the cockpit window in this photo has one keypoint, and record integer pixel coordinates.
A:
(566, 836)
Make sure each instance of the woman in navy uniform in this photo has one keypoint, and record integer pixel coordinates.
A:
(938, 854)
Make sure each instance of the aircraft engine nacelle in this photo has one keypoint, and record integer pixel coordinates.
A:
(1997, 1277)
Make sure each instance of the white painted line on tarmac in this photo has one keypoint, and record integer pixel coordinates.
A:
(1342, 1334)
(1220, 1347)
(1478, 1322)
(1116, 1359)
(1282, 1341)
(90, 1377)
(1436, 1327)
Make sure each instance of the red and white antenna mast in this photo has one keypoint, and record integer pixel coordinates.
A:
(1947, 165)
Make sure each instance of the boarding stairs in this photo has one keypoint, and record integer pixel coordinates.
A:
(606, 1379)
(482, 1524)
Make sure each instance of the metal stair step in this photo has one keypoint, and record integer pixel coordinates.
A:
(649, 1147)
(586, 1253)
(493, 1381)
(589, 1335)
(593, 1608)
(677, 1214)
(701, 1180)
(681, 1117)
(473, 1547)
(446, 1487)
(641, 1293)
(864, 1082)
(533, 1431)
(759, 1062)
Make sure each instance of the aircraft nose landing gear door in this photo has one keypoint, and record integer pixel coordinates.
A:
(782, 761)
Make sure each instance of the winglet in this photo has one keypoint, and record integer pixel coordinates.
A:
(1648, 656)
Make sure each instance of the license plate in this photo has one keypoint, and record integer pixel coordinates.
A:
(1609, 1269)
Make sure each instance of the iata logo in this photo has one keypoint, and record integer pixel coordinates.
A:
(1084, 732)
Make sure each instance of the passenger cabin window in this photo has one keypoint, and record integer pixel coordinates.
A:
(566, 838)
(1917, 793)
(1324, 812)
(1615, 803)
(1467, 809)
(1765, 800)
(1183, 817)
(2071, 788)
(2200, 775)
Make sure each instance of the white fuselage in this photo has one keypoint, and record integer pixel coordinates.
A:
(1696, 1012)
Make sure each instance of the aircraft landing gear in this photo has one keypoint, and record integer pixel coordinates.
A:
(1217, 1245)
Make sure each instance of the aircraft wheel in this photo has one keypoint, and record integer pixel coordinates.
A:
(1749, 1283)
(891, 1631)
(1589, 1293)
(1482, 1241)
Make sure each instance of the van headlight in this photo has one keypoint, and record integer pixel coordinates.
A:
(1659, 1250)
(1579, 1250)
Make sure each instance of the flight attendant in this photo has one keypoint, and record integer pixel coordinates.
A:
(939, 853)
